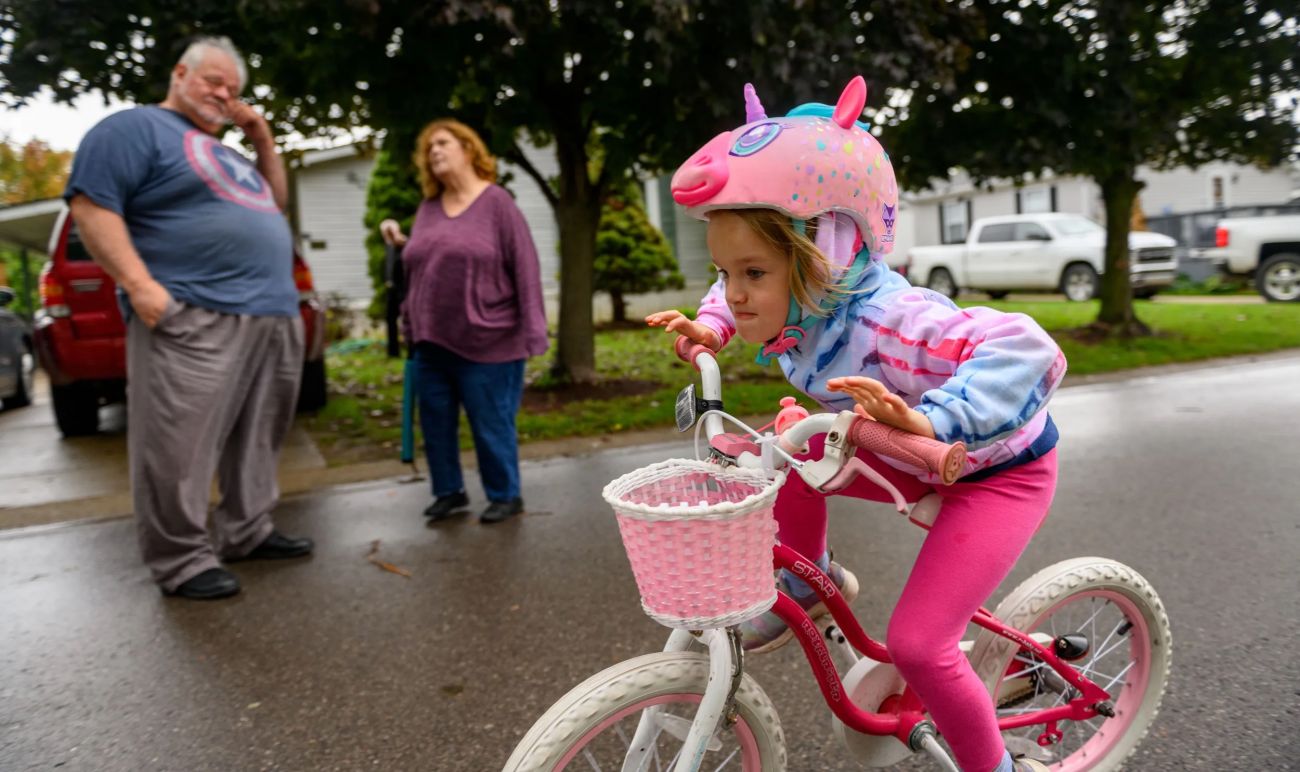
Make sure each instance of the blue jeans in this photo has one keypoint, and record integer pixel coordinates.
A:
(491, 393)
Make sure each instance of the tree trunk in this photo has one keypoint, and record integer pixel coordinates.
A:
(619, 304)
(577, 212)
(1116, 317)
(575, 356)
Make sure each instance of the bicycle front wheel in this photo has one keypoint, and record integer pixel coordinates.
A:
(592, 726)
(1117, 616)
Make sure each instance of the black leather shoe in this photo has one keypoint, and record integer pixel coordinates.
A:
(209, 585)
(277, 546)
(499, 511)
(446, 506)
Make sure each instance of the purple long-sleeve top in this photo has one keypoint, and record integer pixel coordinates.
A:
(474, 284)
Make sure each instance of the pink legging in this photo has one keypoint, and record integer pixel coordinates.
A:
(976, 538)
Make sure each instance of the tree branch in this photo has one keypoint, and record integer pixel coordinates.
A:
(516, 156)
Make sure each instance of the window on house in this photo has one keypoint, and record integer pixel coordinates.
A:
(1036, 200)
(1217, 198)
(954, 221)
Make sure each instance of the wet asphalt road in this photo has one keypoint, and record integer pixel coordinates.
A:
(334, 664)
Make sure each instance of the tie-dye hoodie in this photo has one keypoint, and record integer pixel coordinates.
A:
(981, 376)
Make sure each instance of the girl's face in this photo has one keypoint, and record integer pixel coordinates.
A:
(757, 277)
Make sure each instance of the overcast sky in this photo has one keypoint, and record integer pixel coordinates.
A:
(61, 126)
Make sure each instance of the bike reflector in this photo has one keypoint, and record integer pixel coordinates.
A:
(685, 410)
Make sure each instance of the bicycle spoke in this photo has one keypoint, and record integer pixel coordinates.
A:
(1093, 620)
(586, 753)
(1122, 673)
(727, 760)
(1022, 673)
(1101, 647)
(1096, 675)
(1089, 620)
(1019, 711)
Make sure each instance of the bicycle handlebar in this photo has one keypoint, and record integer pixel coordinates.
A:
(687, 350)
(946, 461)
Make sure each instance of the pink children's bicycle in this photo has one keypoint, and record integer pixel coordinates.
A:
(1076, 657)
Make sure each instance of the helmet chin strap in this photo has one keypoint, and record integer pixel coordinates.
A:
(799, 320)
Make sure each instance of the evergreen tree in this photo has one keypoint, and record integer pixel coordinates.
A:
(632, 255)
(394, 192)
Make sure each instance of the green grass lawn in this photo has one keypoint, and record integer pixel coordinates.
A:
(363, 418)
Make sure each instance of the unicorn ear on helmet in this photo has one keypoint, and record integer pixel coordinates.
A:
(753, 107)
(851, 101)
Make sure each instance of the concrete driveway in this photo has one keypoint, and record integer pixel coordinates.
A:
(45, 478)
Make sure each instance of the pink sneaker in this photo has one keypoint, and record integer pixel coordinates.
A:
(767, 632)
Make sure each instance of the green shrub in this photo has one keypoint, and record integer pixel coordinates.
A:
(394, 192)
(632, 255)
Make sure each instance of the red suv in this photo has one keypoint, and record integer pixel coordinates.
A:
(81, 339)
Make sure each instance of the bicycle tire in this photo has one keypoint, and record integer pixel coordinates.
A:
(1041, 600)
(619, 693)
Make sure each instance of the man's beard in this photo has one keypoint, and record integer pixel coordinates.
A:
(209, 113)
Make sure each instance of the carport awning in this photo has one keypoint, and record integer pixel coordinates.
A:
(30, 225)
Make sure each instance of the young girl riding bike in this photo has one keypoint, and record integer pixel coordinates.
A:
(799, 221)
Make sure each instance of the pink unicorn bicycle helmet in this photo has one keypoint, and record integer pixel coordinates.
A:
(819, 161)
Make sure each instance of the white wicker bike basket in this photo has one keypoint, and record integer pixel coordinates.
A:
(699, 538)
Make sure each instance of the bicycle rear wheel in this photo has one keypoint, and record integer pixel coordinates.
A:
(1128, 642)
(591, 727)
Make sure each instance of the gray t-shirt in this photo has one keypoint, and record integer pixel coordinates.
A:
(201, 216)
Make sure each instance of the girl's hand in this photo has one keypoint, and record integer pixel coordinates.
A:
(676, 321)
(391, 232)
(880, 404)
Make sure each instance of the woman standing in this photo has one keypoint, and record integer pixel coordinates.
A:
(473, 312)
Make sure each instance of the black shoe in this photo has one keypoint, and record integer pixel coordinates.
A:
(277, 546)
(499, 511)
(209, 585)
(446, 506)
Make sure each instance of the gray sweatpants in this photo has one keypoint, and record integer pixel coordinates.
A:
(207, 393)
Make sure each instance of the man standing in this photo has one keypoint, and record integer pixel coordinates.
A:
(195, 237)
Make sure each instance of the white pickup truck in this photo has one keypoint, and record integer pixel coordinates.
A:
(1054, 252)
(1267, 248)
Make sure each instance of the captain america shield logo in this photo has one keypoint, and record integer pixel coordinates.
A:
(228, 173)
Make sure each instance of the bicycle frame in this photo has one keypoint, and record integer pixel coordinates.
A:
(900, 717)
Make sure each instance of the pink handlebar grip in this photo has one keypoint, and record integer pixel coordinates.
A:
(687, 350)
(945, 460)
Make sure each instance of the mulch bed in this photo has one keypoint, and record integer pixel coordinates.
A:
(556, 397)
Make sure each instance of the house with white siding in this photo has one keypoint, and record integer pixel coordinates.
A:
(330, 193)
(330, 202)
